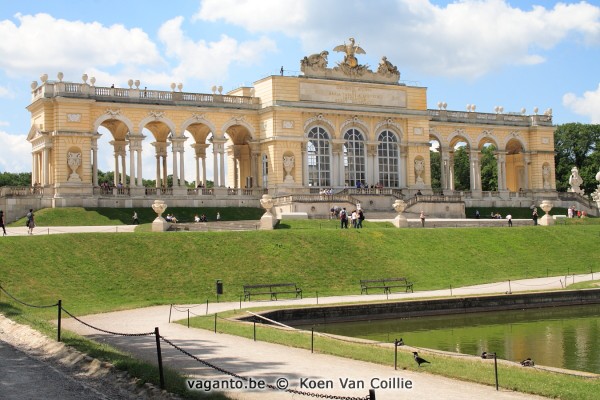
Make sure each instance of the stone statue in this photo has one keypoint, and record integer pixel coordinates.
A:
(288, 165)
(596, 194)
(318, 61)
(387, 68)
(74, 161)
(575, 181)
(419, 168)
(350, 49)
(350, 65)
(546, 176)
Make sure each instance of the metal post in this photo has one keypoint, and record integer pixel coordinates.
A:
(160, 366)
(215, 322)
(317, 297)
(206, 306)
(312, 339)
(255, 330)
(450, 290)
(170, 309)
(395, 354)
(496, 369)
(188, 317)
(59, 318)
(371, 394)
(509, 288)
(240, 301)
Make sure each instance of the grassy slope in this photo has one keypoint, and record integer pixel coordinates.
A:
(99, 272)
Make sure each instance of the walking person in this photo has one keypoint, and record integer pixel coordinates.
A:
(534, 216)
(218, 217)
(422, 216)
(2, 223)
(136, 221)
(30, 221)
(509, 218)
(361, 218)
(343, 219)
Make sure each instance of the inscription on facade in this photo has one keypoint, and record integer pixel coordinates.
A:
(74, 117)
(352, 95)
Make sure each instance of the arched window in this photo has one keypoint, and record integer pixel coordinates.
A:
(388, 155)
(354, 158)
(319, 159)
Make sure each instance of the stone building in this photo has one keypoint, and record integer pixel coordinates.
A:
(335, 127)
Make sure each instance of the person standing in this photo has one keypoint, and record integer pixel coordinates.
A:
(509, 218)
(136, 221)
(218, 217)
(2, 222)
(343, 219)
(534, 216)
(30, 221)
(422, 216)
(361, 218)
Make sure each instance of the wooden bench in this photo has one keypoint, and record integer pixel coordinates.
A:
(387, 284)
(272, 289)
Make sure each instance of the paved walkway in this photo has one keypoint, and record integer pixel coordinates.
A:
(285, 365)
(52, 230)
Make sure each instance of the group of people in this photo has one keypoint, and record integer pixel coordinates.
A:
(356, 218)
(572, 212)
(201, 218)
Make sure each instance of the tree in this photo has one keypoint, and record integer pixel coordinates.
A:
(577, 145)
(436, 170)
(461, 169)
(489, 169)
(15, 179)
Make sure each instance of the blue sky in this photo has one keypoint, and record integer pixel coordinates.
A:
(515, 54)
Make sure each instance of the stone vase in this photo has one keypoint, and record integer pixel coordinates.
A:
(547, 218)
(267, 221)
(159, 224)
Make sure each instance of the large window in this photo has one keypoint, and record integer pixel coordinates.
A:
(319, 158)
(354, 158)
(389, 160)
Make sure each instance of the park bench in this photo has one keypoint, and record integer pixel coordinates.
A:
(387, 284)
(272, 289)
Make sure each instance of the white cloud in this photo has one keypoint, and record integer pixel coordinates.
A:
(17, 153)
(4, 92)
(588, 105)
(208, 60)
(42, 43)
(466, 38)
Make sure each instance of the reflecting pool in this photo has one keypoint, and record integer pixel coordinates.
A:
(564, 337)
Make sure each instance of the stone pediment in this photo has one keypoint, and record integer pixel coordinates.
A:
(315, 66)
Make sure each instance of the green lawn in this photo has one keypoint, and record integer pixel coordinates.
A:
(96, 272)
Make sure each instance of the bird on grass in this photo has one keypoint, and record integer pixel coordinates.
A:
(399, 342)
(484, 355)
(419, 360)
(527, 362)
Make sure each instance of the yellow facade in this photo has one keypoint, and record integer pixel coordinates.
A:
(327, 128)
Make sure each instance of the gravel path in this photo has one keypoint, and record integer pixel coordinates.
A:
(275, 364)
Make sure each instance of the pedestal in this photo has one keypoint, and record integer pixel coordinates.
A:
(160, 225)
(267, 221)
(546, 220)
(400, 221)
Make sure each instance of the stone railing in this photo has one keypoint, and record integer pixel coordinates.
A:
(82, 90)
(490, 118)
(21, 191)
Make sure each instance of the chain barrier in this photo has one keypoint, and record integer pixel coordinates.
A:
(104, 330)
(270, 386)
(184, 309)
(23, 303)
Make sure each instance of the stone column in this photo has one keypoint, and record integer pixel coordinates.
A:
(501, 162)
(175, 174)
(46, 165)
(94, 163)
(132, 165)
(215, 167)
(475, 171)
(304, 152)
(222, 166)
(403, 169)
(444, 168)
(158, 180)
(451, 170)
(526, 162)
(34, 168)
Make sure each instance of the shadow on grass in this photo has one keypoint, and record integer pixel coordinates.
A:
(9, 310)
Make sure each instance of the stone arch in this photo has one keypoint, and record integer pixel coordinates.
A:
(433, 133)
(485, 137)
(511, 140)
(355, 123)
(455, 137)
(237, 121)
(113, 116)
(158, 118)
(515, 163)
(319, 120)
(197, 120)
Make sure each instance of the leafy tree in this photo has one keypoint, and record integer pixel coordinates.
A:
(461, 169)
(489, 169)
(436, 169)
(15, 179)
(577, 144)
